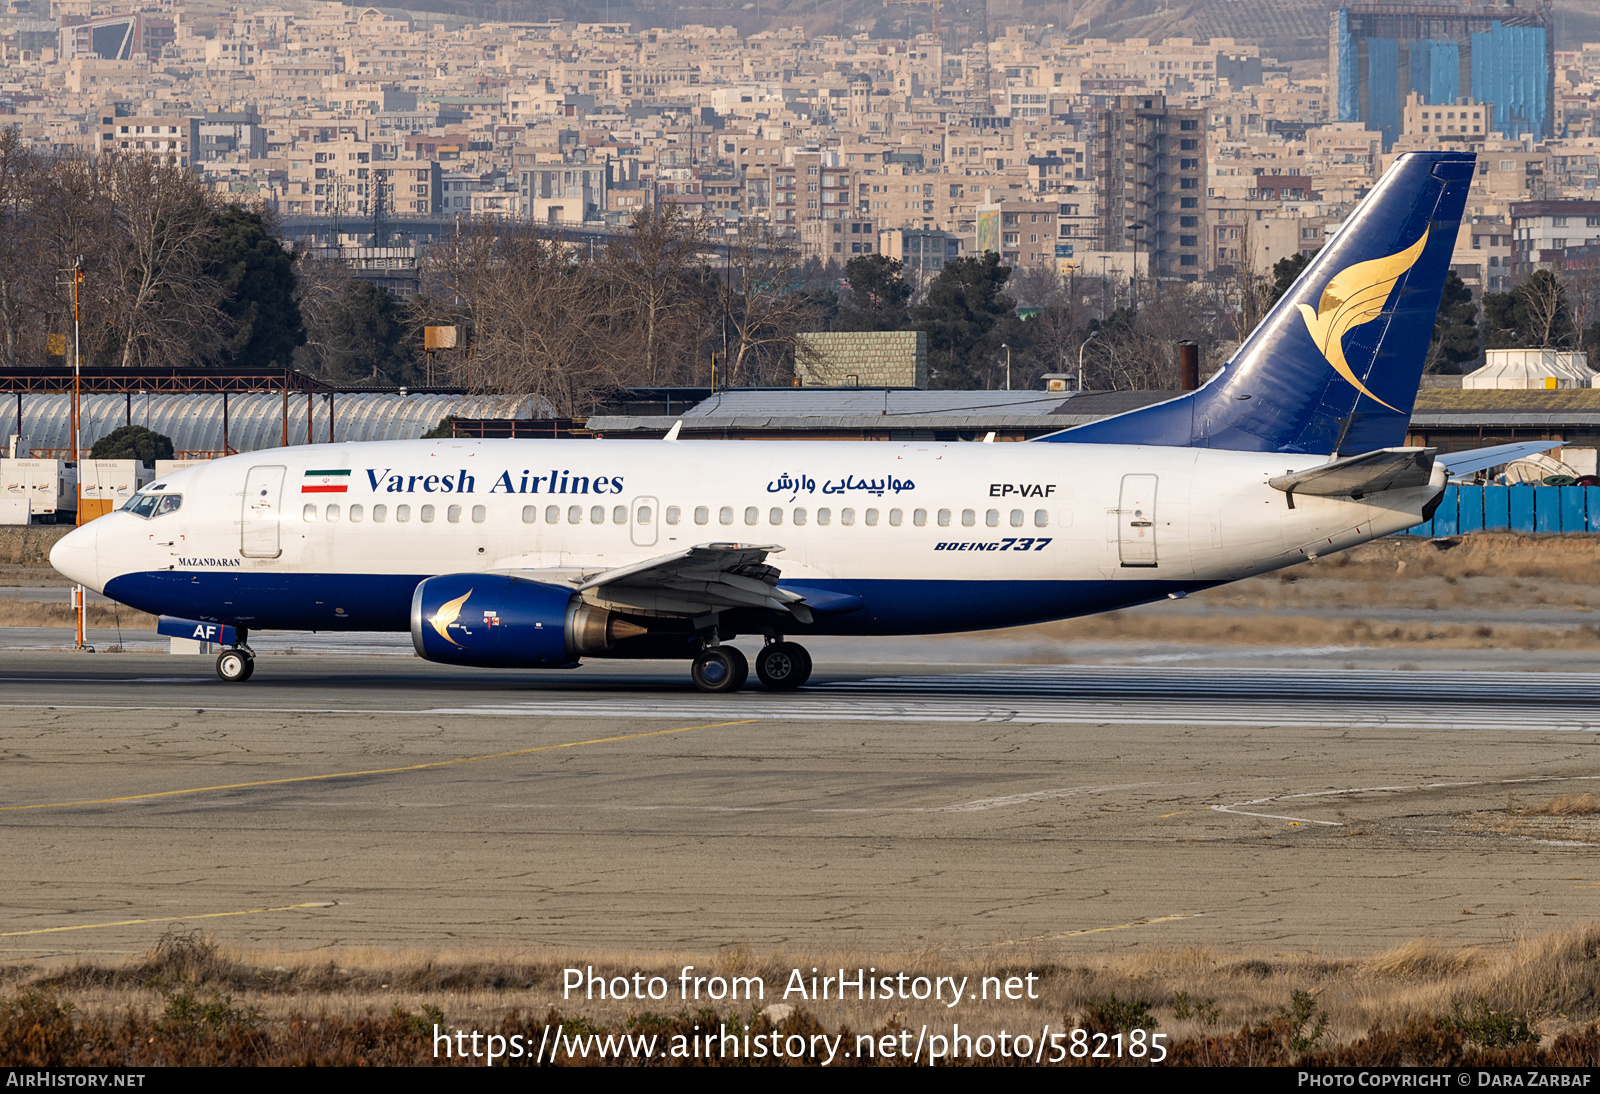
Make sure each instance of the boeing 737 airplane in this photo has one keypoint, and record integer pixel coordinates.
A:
(535, 554)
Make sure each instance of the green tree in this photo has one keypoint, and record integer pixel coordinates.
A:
(1534, 315)
(257, 280)
(1284, 273)
(878, 295)
(365, 337)
(1455, 333)
(965, 304)
(132, 442)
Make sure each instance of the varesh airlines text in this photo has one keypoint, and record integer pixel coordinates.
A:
(389, 481)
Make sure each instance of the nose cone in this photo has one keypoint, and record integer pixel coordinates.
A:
(77, 556)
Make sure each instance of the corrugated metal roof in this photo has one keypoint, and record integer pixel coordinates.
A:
(255, 421)
(1481, 400)
(803, 402)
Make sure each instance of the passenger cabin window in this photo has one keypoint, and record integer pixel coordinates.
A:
(847, 517)
(574, 514)
(453, 514)
(799, 516)
(919, 517)
(992, 518)
(674, 514)
(824, 517)
(872, 517)
(402, 513)
(357, 514)
(479, 514)
(725, 515)
(751, 514)
(427, 514)
(775, 516)
(597, 514)
(944, 518)
(619, 514)
(969, 517)
(530, 514)
(1041, 518)
(380, 513)
(702, 515)
(332, 513)
(552, 514)
(309, 513)
(1016, 518)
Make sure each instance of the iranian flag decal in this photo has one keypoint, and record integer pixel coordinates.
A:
(325, 482)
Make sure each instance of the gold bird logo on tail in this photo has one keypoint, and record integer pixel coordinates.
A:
(1356, 295)
(447, 614)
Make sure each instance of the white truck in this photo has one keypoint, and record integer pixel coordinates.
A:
(49, 487)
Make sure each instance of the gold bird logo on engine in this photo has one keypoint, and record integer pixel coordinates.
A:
(447, 614)
(1355, 296)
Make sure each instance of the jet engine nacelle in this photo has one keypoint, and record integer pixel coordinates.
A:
(498, 621)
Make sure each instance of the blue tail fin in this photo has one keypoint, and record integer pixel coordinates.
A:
(1335, 365)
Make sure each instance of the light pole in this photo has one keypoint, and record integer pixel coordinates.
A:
(1008, 364)
(1086, 341)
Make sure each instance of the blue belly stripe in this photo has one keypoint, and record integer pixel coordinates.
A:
(382, 602)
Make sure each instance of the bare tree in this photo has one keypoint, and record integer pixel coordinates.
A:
(651, 261)
(539, 319)
(22, 179)
(1545, 300)
(165, 305)
(1247, 292)
(1137, 351)
(762, 303)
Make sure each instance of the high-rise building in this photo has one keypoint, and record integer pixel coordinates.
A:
(1150, 169)
(1501, 54)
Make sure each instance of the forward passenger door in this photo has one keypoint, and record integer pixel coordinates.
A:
(259, 527)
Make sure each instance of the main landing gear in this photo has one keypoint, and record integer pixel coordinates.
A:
(236, 665)
(780, 666)
(783, 665)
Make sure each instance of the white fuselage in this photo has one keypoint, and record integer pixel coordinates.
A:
(1086, 526)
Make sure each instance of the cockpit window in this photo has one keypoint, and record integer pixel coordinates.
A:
(153, 505)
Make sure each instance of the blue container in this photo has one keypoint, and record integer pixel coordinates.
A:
(1469, 508)
(1593, 495)
(1497, 509)
(1521, 507)
(1574, 510)
(1445, 519)
(1547, 509)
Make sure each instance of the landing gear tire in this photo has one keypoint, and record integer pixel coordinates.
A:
(783, 665)
(719, 669)
(235, 666)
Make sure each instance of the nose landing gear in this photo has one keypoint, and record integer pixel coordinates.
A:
(236, 664)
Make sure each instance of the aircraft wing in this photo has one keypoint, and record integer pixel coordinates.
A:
(1479, 459)
(697, 581)
(1357, 476)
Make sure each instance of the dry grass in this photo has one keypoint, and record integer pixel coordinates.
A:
(1553, 978)
(30, 613)
(1311, 630)
(1567, 805)
(29, 544)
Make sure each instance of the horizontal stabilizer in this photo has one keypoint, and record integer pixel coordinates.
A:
(1480, 459)
(1357, 476)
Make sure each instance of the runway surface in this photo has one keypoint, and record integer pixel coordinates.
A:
(340, 801)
